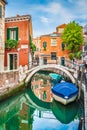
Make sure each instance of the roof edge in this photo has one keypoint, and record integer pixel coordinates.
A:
(5, 1)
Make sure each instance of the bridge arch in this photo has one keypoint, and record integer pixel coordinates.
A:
(59, 67)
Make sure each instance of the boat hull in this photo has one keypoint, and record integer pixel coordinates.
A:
(64, 101)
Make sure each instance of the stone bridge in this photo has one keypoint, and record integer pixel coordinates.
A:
(59, 69)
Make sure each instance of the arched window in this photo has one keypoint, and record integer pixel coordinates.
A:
(44, 45)
(63, 46)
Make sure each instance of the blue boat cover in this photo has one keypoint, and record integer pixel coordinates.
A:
(65, 90)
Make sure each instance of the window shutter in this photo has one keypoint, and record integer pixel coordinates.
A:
(16, 33)
(44, 44)
(63, 46)
(8, 33)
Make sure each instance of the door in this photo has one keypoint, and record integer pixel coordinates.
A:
(63, 61)
(12, 61)
(44, 61)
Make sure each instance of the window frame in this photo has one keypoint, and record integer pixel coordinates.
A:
(15, 33)
(53, 56)
(53, 43)
(44, 45)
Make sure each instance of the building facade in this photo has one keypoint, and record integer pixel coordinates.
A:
(84, 55)
(52, 49)
(18, 28)
(2, 23)
(36, 42)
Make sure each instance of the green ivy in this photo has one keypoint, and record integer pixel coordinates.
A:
(71, 56)
(32, 45)
(11, 44)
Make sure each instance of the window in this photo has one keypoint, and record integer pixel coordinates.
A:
(85, 48)
(60, 30)
(44, 95)
(63, 61)
(0, 11)
(12, 34)
(63, 46)
(44, 45)
(53, 55)
(53, 42)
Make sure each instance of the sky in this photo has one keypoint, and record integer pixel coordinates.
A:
(48, 14)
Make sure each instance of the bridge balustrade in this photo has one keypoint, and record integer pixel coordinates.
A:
(78, 70)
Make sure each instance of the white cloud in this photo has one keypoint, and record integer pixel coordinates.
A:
(81, 6)
(56, 11)
(82, 16)
(44, 19)
(53, 8)
(59, 13)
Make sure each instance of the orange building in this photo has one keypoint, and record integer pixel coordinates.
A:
(18, 28)
(52, 48)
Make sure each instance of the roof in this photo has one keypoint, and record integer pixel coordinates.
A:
(61, 26)
(51, 35)
(4, 1)
(18, 18)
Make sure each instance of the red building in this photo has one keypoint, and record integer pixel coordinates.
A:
(18, 28)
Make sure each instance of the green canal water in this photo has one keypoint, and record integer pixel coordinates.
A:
(35, 109)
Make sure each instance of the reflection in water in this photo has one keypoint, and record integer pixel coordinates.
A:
(65, 113)
(41, 87)
(29, 111)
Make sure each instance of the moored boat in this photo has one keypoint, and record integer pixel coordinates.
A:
(56, 77)
(65, 92)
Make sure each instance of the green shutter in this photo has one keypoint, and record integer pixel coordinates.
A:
(8, 33)
(63, 46)
(44, 44)
(16, 33)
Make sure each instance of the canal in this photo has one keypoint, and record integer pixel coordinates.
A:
(35, 109)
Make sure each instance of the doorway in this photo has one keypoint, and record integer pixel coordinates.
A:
(63, 61)
(13, 61)
(44, 60)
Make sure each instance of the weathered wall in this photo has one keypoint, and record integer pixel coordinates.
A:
(9, 77)
(2, 19)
